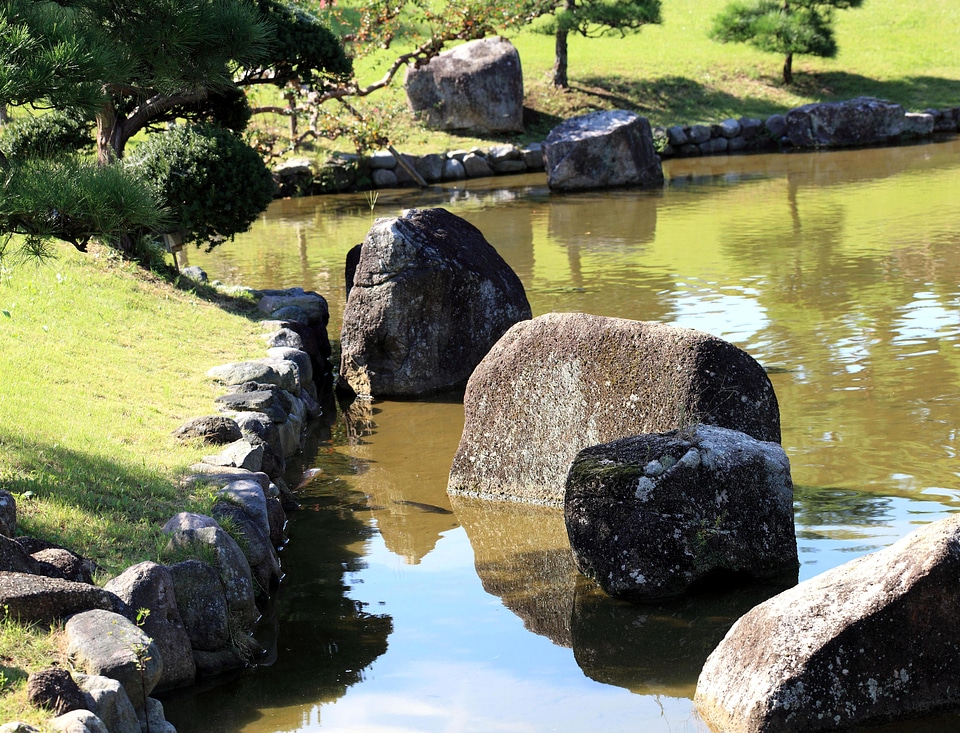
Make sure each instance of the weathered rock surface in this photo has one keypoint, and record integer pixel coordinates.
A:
(860, 121)
(55, 690)
(280, 372)
(107, 699)
(477, 86)
(652, 515)
(13, 558)
(60, 563)
(873, 640)
(108, 644)
(36, 598)
(150, 585)
(245, 505)
(311, 303)
(231, 565)
(78, 721)
(214, 429)
(202, 604)
(602, 150)
(429, 297)
(564, 381)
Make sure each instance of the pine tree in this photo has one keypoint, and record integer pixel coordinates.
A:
(786, 27)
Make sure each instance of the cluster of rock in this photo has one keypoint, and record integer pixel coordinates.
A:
(862, 121)
(157, 627)
(662, 445)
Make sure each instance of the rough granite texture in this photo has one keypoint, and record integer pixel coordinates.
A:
(870, 641)
(564, 381)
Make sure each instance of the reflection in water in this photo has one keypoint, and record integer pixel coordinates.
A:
(523, 557)
(839, 272)
(324, 638)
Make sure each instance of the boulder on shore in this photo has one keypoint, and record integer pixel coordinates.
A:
(427, 299)
(477, 86)
(854, 122)
(602, 150)
(652, 515)
(564, 381)
(871, 641)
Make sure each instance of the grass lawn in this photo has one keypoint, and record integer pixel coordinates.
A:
(101, 361)
(674, 74)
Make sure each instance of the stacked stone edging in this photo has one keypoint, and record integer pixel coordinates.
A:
(381, 169)
(44, 583)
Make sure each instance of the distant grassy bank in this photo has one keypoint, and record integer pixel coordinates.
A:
(674, 74)
(100, 362)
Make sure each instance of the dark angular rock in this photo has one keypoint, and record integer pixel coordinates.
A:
(860, 121)
(54, 690)
(202, 604)
(429, 298)
(65, 564)
(650, 516)
(39, 599)
(213, 429)
(8, 514)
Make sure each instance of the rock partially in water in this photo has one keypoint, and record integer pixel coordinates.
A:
(602, 150)
(870, 641)
(650, 516)
(148, 585)
(429, 297)
(564, 381)
(854, 122)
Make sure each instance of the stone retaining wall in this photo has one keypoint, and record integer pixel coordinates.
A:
(382, 170)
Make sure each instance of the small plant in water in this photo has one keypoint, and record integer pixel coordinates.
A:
(371, 196)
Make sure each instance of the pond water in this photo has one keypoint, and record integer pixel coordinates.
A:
(402, 611)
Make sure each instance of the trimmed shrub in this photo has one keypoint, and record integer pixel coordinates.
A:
(49, 135)
(213, 183)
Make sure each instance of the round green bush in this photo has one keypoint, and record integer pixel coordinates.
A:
(49, 135)
(213, 183)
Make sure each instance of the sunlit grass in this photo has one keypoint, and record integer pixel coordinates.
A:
(674, 74)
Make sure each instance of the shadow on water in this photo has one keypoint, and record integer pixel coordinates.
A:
(322, 640)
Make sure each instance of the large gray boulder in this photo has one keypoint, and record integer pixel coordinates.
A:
(108, 644)
(477, 86)
(564, 381)
(244, 505)
(652, 515)
(602, 150)
(873, 640)
(428, 298)
(860, 121)
(148, 585)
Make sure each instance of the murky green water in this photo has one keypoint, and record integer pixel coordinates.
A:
(840, 272)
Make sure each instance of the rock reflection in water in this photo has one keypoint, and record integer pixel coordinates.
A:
(522, 556)
(324, 639)
(406, 458)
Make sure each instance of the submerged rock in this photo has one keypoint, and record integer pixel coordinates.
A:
(652, 515)
(870, 641)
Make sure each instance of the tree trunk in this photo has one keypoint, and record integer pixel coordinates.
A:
(788, 69)
(109, 130)
(560, 63)
(4, 115)
(560, 80)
